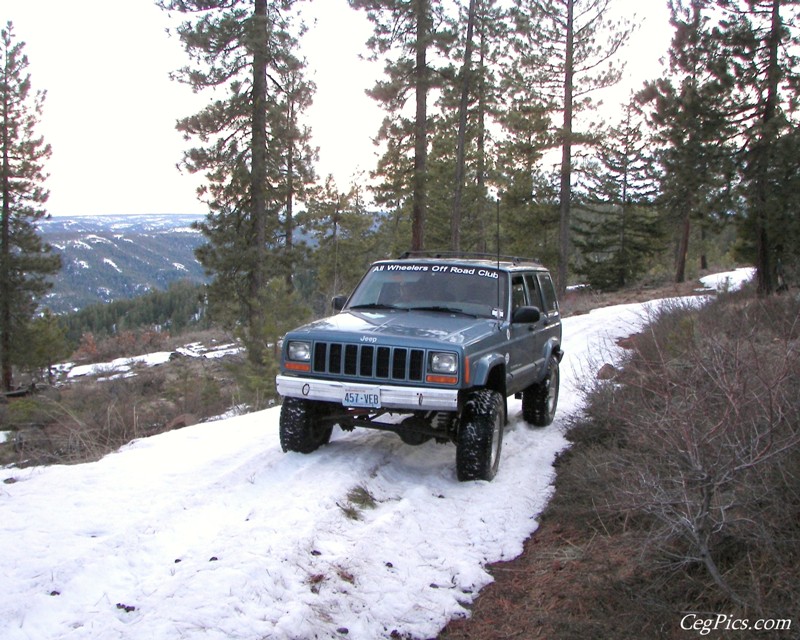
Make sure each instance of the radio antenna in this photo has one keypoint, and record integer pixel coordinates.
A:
(497, 242)
(497, 229)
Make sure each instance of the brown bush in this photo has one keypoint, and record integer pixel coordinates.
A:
(698, 446)
(120, 345)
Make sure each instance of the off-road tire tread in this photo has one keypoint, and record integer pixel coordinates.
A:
(300, 429)
(474, 442)
(534, 399)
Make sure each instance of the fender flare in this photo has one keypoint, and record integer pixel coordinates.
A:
(551, 348)
(479, 376)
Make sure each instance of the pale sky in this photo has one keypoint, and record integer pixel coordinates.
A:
(111, 108)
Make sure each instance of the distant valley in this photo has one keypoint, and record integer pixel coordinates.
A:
(106, 258)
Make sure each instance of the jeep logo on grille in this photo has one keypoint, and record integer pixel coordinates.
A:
(370, 339)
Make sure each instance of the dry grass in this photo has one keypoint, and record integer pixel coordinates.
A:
(90, 417)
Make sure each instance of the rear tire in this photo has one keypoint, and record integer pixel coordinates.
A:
(480, 437)
(302, 425)
(539, 401)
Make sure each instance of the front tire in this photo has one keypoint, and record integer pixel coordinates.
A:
(302, 425)
(539, 401)
(480, 437)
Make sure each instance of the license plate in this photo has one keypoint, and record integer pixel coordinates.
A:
(369, 398)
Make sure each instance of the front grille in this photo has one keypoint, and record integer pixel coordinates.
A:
(368, 361)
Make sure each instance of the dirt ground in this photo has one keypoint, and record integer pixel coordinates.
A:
(571, 581)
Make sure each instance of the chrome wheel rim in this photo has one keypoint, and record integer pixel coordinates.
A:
(497, 431)
(552, 389)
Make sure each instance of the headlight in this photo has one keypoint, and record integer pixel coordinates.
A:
(299, 351)
(444, 363)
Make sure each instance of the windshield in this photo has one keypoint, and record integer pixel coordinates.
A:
(450, 288)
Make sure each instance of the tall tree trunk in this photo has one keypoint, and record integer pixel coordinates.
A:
(762, 151)
(703, 255)
(419, 197)
(289, 222)
(6, 377)
(466, 78)
(258, 179)
(482, 239)
(683, 247)
(566, 153)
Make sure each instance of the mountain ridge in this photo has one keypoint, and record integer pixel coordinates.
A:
(113, 257)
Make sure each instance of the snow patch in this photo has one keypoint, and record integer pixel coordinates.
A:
(730, 280)
(95, 239)
(111, 263)
(126, 366)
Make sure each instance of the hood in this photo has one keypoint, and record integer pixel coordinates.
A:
(386, 325)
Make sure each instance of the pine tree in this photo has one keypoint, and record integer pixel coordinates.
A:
(465, 81)
(617, 227)
(43, 345)
(461, 160)
(342, 231)
(25, 261)
(408, 32)
(759, 41)
(528, 201)
(255, 154)
(561, 62)
(694, 130)
(784, 189)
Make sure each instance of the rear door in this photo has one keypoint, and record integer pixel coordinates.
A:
(526, 339)
(551, 315)
(549, 326)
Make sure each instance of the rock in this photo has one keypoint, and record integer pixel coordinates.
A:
(628, 342)
(183, 420)
(607, 372)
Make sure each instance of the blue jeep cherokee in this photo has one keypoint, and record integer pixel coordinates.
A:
(428, 347)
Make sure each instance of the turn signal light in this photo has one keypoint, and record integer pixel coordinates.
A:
(441, 379)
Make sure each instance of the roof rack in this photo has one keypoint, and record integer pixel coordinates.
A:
(465, 254)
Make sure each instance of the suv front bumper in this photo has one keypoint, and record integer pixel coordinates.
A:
(391, 397)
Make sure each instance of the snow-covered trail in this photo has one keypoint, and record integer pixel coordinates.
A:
(213, 532)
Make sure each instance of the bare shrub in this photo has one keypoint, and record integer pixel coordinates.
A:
(200, 387)
(94, 417)
(699, 446)
(90, 417)
(122, 344)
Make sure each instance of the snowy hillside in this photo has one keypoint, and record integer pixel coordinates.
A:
(212, 532)
(106, 258)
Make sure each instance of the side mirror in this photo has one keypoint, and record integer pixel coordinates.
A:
(337, 302)
(526, 315)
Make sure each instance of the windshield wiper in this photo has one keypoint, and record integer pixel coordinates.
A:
(374, 305)
(440, 309)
